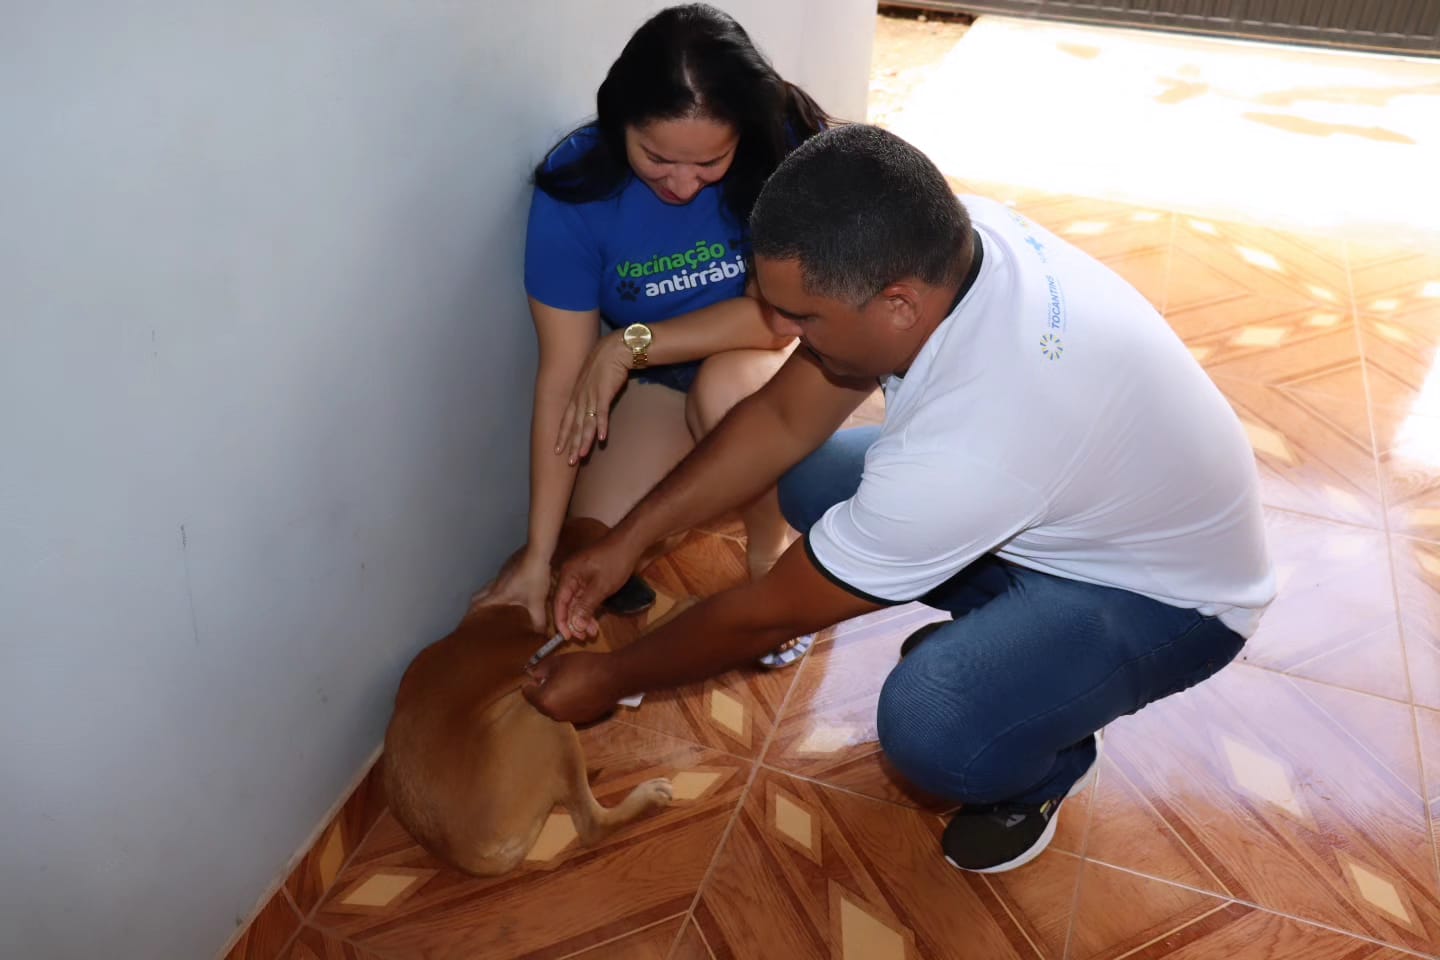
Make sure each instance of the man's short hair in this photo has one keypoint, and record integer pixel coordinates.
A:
(860, 209)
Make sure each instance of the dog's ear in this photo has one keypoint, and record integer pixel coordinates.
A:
(577, 534)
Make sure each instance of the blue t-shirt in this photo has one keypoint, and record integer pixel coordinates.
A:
(633, 256)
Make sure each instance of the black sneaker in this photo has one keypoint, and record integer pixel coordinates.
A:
(634, 597)
(918, 637)
(996, 837)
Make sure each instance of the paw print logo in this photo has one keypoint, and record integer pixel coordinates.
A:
(629, 290)
(1051, 346)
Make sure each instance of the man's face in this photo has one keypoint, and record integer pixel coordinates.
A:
(849, 342)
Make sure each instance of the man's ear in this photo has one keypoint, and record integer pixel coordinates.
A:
(901, 302)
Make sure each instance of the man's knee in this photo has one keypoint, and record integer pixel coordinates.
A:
(924, 731)
(826, 477)
(939, 737)
(795, 506)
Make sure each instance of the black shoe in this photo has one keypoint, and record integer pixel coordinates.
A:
(634, 597)
(918, 637)
(996, 837)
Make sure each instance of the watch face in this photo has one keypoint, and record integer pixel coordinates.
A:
(637, 335)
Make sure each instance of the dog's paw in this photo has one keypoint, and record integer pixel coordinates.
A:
(659, 791)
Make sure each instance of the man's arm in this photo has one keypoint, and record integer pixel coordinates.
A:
(728, 630)
(761, 438)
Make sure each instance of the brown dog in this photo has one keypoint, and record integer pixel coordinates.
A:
(472, 770)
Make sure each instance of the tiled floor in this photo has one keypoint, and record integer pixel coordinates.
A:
(1285, 809)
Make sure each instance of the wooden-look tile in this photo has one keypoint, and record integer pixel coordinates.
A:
(1152, 911)
(1427, 723)
(1299, 797)
(313, 944)
(1397, 293)
(1402, 358)
(810, 872)
(828, 732)
(1334, 618)
(692, 945)
(652, 943)
(1197, 927)
(1212, 262)
(1305, 347)
(316, 872)
(268, 933)
(734, 712)
(1409, 445)
(1315, 454)
(1417, 581)
(396, 900)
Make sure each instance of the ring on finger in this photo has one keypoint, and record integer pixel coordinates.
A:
(589, 413)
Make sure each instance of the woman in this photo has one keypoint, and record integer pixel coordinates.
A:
(638, 222)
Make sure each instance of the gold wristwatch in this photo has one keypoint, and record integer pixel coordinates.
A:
(638, 338)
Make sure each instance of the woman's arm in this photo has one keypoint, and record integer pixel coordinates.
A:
(566, 339)
(734, 324)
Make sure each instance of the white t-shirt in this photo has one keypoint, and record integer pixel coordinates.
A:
(1055, 420)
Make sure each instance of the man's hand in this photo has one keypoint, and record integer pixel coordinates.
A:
(586, 580)
(575, 687)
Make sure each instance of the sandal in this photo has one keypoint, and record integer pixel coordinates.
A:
(787, 653)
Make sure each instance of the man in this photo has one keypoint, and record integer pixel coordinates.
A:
(1054, 469)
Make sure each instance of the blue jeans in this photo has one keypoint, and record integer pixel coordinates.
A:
(1000, 704)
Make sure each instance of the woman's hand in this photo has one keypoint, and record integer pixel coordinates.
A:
(587, 419)
(524, 580)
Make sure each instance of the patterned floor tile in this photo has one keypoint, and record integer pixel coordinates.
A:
(692, 945)
(1213, 262)
(1154, 910)
(1314, 453)
(1409, 445)
(268, 933)
(1299, 797)
(734, 712)
(1417, 584)
(313, 944)
(1163, 922)
(652, 943)
(1397, 294)
(828, 732)
(1334, 618)
(1402, 363)
(396, 900)
(1427, 723)
(1311, 347)
(316, 872)
(810, 872)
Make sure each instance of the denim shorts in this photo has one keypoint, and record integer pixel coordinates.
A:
(676, 376)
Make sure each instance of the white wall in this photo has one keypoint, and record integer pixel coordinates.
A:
(264, 374)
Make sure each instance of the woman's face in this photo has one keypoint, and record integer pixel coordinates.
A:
(679, 158)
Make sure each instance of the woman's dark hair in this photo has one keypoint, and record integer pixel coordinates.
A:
(692, 60)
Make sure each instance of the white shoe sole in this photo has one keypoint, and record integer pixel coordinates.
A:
(779, 659)
(1038, 847)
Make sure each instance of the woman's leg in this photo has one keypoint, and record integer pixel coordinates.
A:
(723, 381)
(648, 437)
